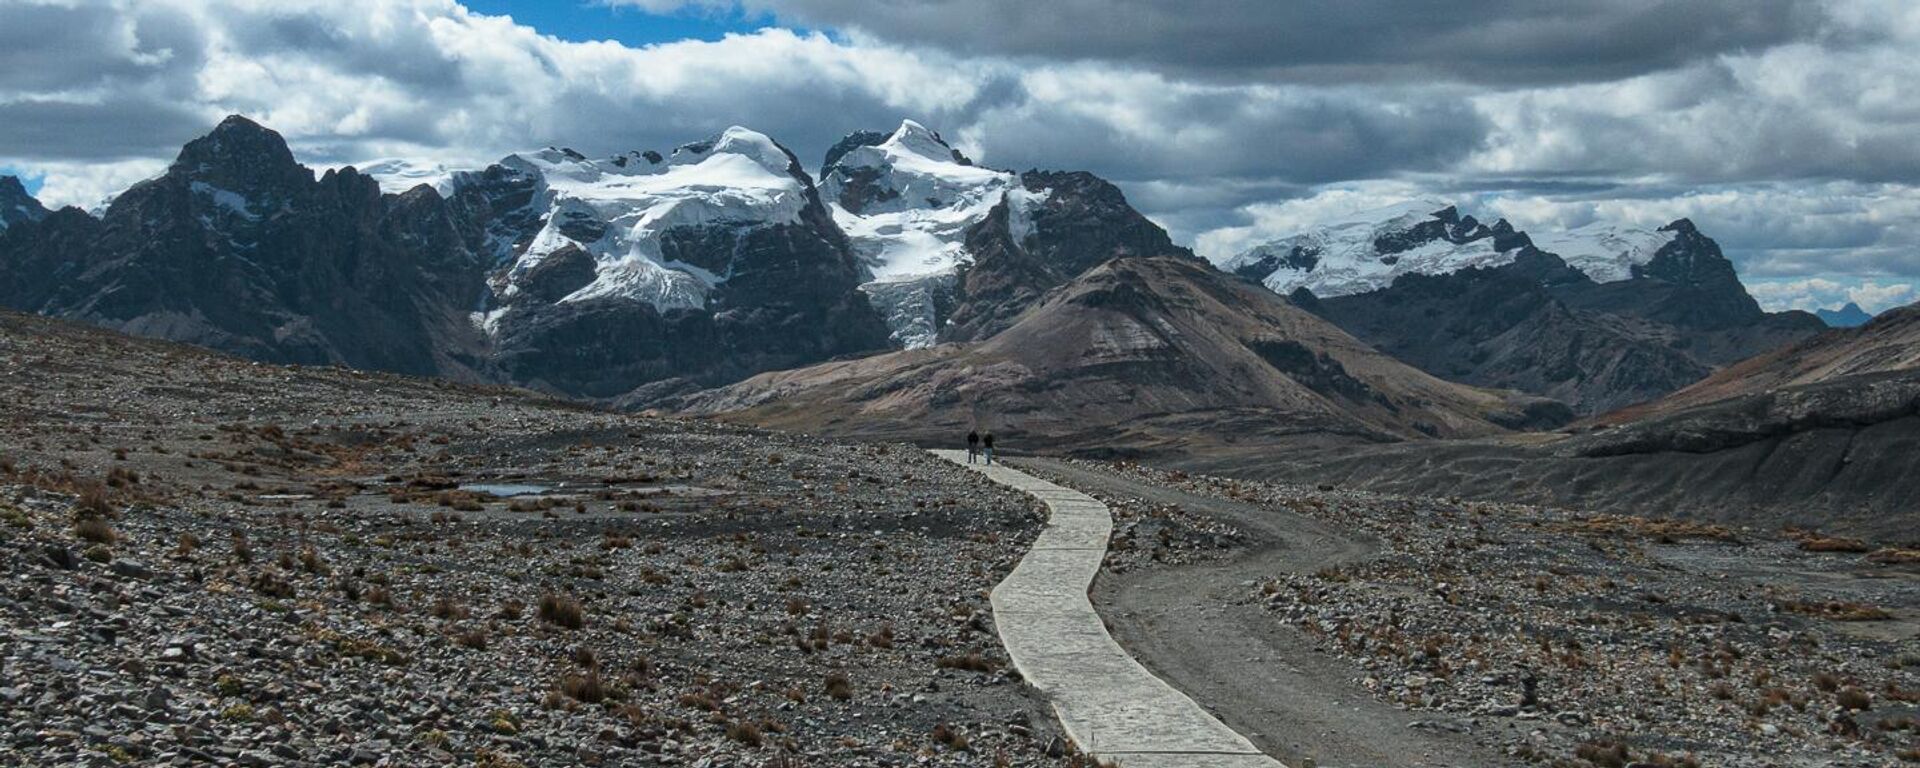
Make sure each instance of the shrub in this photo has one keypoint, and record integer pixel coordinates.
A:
(1603, 754)
(446, 609)
(561, 610)
(971, 662)
(584, 687)
(951, 737)
(96, 530)
(92, 503)
(839, 686)
(744, 732)
(1853, 698)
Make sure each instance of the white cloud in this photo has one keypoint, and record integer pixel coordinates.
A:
(87, 185)
(1796, 153)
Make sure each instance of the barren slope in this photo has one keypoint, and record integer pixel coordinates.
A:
(1144, 353)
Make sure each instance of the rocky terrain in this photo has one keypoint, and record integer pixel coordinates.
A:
(1544, 636)
(212, 560)
(1137, 355)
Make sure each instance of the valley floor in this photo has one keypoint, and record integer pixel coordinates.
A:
(209, 560)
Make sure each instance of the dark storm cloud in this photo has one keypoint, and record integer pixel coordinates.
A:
(56, 129)
(98, 83)
(1493, 41)
(1168, 131)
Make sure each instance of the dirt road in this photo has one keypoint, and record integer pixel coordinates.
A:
(1197, 627)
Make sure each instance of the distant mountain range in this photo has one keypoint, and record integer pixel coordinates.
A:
(642, 278)
(1620, 317)
(1817, 434)
(1848, 316)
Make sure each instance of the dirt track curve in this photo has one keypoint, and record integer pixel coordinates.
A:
(1197, 627)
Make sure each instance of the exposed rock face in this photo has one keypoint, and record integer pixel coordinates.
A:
(953, 250)
(16, 206)
(532, 271)
(1082, 222)
(239, 247)
(1138, 354)
(1538, 325)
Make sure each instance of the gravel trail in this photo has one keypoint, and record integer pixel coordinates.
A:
(1195, 627)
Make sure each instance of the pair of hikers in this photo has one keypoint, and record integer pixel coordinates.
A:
(974, 444)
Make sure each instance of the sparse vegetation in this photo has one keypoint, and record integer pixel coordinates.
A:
(561, 611)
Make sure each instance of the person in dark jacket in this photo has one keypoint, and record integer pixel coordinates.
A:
(988, 442)
(973, 446)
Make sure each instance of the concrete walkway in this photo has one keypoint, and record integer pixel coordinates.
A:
(1108, 704)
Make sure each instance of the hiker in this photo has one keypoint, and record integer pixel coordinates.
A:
(973, 446)
(988, 442)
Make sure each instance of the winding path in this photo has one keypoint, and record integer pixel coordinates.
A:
(1109, 704)
(1196, 627)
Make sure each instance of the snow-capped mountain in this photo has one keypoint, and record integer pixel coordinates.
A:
(906, 200)
(1368, 250)
(649, 223)
(592, 278)
(627, 278)
(396, 175)
(1598, 317)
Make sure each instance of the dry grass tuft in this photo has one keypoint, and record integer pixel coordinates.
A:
(839, 686)
(972, 661)
(562, 611)
(585, 687)
(1837, 610)
(96, 530)
(1811, 541)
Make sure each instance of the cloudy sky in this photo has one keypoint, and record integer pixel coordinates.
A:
(1788, 129)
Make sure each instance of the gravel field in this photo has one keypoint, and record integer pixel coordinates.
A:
(242, 564)
(1585, 640)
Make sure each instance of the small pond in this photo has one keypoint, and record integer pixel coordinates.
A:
(506, 490)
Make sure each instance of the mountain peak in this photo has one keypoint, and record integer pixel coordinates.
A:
(1849, 316)
(239, 154)
(923, 141)
(1681, 226)
(743, 141)
(849, 143)
(16, 205)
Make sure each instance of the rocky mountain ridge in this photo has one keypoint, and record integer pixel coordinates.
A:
(1515, 315)
(16, 205)
(621, 279)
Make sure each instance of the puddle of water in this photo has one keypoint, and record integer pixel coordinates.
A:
(505, 490)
